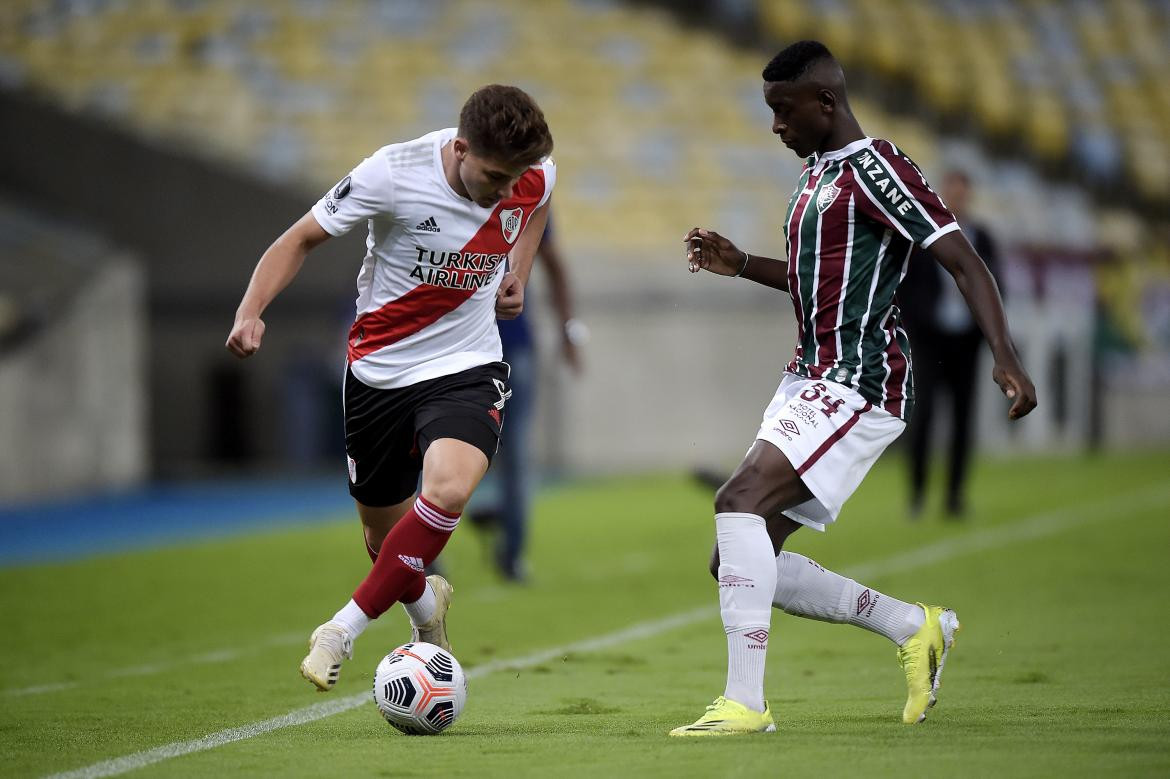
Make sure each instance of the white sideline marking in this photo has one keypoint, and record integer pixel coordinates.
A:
(121, 765)
(1020, 530)
(1030, 528)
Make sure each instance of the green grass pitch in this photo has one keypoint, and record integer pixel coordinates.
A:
(1061, 669)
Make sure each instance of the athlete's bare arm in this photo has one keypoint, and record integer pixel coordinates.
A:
(708, 250)
(562, 299)
(955, 253)
(510, 296)
(277, 267)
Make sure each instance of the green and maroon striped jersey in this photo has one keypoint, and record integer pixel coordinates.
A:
(852, 222)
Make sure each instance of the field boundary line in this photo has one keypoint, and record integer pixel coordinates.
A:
(922, 556)
(1027, 529)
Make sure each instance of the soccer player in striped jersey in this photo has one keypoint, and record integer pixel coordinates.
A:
(454, 219)
(858, 210)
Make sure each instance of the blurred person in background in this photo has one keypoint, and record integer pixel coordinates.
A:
(454, 219)
(508, 516)
(946, 341)
(858, 210)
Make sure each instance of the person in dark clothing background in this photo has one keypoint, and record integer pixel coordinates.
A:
(508, 517)
(945, 343)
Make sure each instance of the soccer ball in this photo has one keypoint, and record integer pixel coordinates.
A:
(420, 689)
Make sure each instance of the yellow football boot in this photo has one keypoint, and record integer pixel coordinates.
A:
(922, 658)
(726, 717)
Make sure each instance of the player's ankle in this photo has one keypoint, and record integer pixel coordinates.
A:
(422, 610)
(352, 619)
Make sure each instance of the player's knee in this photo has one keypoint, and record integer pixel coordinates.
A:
(450, 500)
(448, 494)
(737, 496)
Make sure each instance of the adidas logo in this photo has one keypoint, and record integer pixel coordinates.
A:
(412, 562)
(430, 225)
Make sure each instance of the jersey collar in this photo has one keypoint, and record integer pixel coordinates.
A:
(819, 162)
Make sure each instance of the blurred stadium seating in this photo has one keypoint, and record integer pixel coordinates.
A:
(1080, 82)
(655, 122)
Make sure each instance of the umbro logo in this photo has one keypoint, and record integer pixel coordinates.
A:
(429, 225)
(412, 562)
(866, 602)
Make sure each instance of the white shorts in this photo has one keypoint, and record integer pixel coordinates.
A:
(832, 436)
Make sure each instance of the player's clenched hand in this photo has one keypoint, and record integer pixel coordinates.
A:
(245, 337)
(1014, 382)
(710, 251)
(509, 297)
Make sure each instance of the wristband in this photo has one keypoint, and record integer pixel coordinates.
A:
(743, 267)
(576, 332)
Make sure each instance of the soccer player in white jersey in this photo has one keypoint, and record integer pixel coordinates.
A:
(454, 219)
(859, 209)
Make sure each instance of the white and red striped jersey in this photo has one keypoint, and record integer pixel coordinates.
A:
(434, 260)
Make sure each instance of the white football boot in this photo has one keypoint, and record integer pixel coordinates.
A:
(328, 646)
(434, 631)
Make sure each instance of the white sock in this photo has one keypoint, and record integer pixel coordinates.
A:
(747, 580)
(353, 619)
(421, 611)
(805, 589)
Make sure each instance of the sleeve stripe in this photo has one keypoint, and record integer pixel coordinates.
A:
(895, 222)
(939, 233)
(881, 160)
(392, 200)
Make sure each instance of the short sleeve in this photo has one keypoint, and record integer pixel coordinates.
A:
(893, 191)
(550, 179)
(366, 192)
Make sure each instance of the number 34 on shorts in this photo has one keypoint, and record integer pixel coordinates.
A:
(831, 435)
(807, 418)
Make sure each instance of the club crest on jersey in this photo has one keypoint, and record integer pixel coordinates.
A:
(510, 220)
(826, 197)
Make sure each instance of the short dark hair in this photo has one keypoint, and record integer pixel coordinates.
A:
(794, 61)
(506, 124)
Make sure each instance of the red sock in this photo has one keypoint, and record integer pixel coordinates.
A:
(411, 545)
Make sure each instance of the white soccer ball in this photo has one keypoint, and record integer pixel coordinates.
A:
(420, 689)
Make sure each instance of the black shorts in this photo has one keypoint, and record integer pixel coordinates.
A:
(387, 431)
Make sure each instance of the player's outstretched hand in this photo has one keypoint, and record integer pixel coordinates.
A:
(1014, 382)
(509, 297)
(710, 251)
(245, 337)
